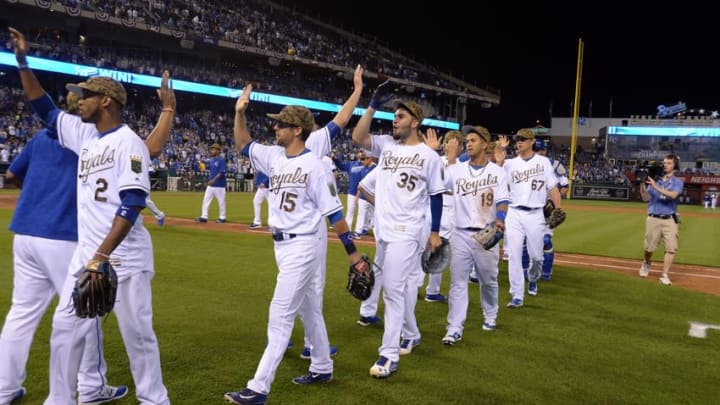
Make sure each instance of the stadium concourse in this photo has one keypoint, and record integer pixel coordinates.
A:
(693, 277)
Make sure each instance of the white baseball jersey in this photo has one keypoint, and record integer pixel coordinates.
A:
(530, 180)
(102, 175)
(406, 177)
(319, 142)
(447, 222)
(301, 191)
(476, 191)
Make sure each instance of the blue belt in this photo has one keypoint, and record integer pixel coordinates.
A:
(524, 208)
(281, 236)
(660, 216)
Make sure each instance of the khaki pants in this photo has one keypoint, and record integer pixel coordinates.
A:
(657, 229)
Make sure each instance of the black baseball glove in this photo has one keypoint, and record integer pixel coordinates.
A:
(95, 290)
(557, 217)
(361, 279)
(383, 93)
(437, 261)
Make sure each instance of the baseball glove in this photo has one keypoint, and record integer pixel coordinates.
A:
(437, 261)
(548, 209)
(360, 282)
(557, 217)
(488, 237)
(95, 290)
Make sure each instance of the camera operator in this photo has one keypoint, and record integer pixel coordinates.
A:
(662, 194)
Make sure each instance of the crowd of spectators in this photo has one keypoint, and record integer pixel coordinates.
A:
(269, 26)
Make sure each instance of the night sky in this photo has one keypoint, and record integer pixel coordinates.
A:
(636, 57)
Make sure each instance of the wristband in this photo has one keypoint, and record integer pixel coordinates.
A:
(23, 66)
(103, 255)
(347, 243)
(168, 109)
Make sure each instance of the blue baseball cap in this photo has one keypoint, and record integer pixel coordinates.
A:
(540, 144)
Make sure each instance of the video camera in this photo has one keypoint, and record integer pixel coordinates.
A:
(651, 169)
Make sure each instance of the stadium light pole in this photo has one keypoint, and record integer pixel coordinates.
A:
(576, 109)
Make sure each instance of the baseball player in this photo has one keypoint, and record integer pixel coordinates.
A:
(301, 193)
(409, 177)
(707, 199)
(261, 191)
(45, 227)
(216, 186)
(480, 195)
(563, 185)
(531, 178)
(112, 185)
(713, 200)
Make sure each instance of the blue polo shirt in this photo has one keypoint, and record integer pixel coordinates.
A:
(661, 205)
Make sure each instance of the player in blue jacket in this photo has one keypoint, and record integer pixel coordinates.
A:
(215, 186)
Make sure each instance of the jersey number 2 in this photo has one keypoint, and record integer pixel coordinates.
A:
(102, 186)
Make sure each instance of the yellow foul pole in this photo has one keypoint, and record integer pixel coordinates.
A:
(576, 109)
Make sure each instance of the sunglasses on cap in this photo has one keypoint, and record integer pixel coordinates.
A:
(89, 94)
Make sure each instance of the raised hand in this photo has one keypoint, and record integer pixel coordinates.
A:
(358, 77)
(165, 93)
(503, 141)
(431, 139)
(20, 46)
(244, 100)
(452, 149)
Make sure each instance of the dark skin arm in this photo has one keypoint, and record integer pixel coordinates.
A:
(160, 134)
(31, 85)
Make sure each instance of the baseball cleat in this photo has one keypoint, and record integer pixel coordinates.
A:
(644, 269)
(383, 368)
(451, 338)
(474, 280)
(547, 276)
(665, 280)
(532, 288)
(305, 355)
(254, 226)
(490, 326)
(407, 345)
(221, 220)
(369, 320)
(246, 396)
(515, 303)
(312, 378)
(201, 219)
(109, 393)
(435, 298)
(355, 236)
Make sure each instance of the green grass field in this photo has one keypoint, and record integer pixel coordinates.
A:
(588, 337)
